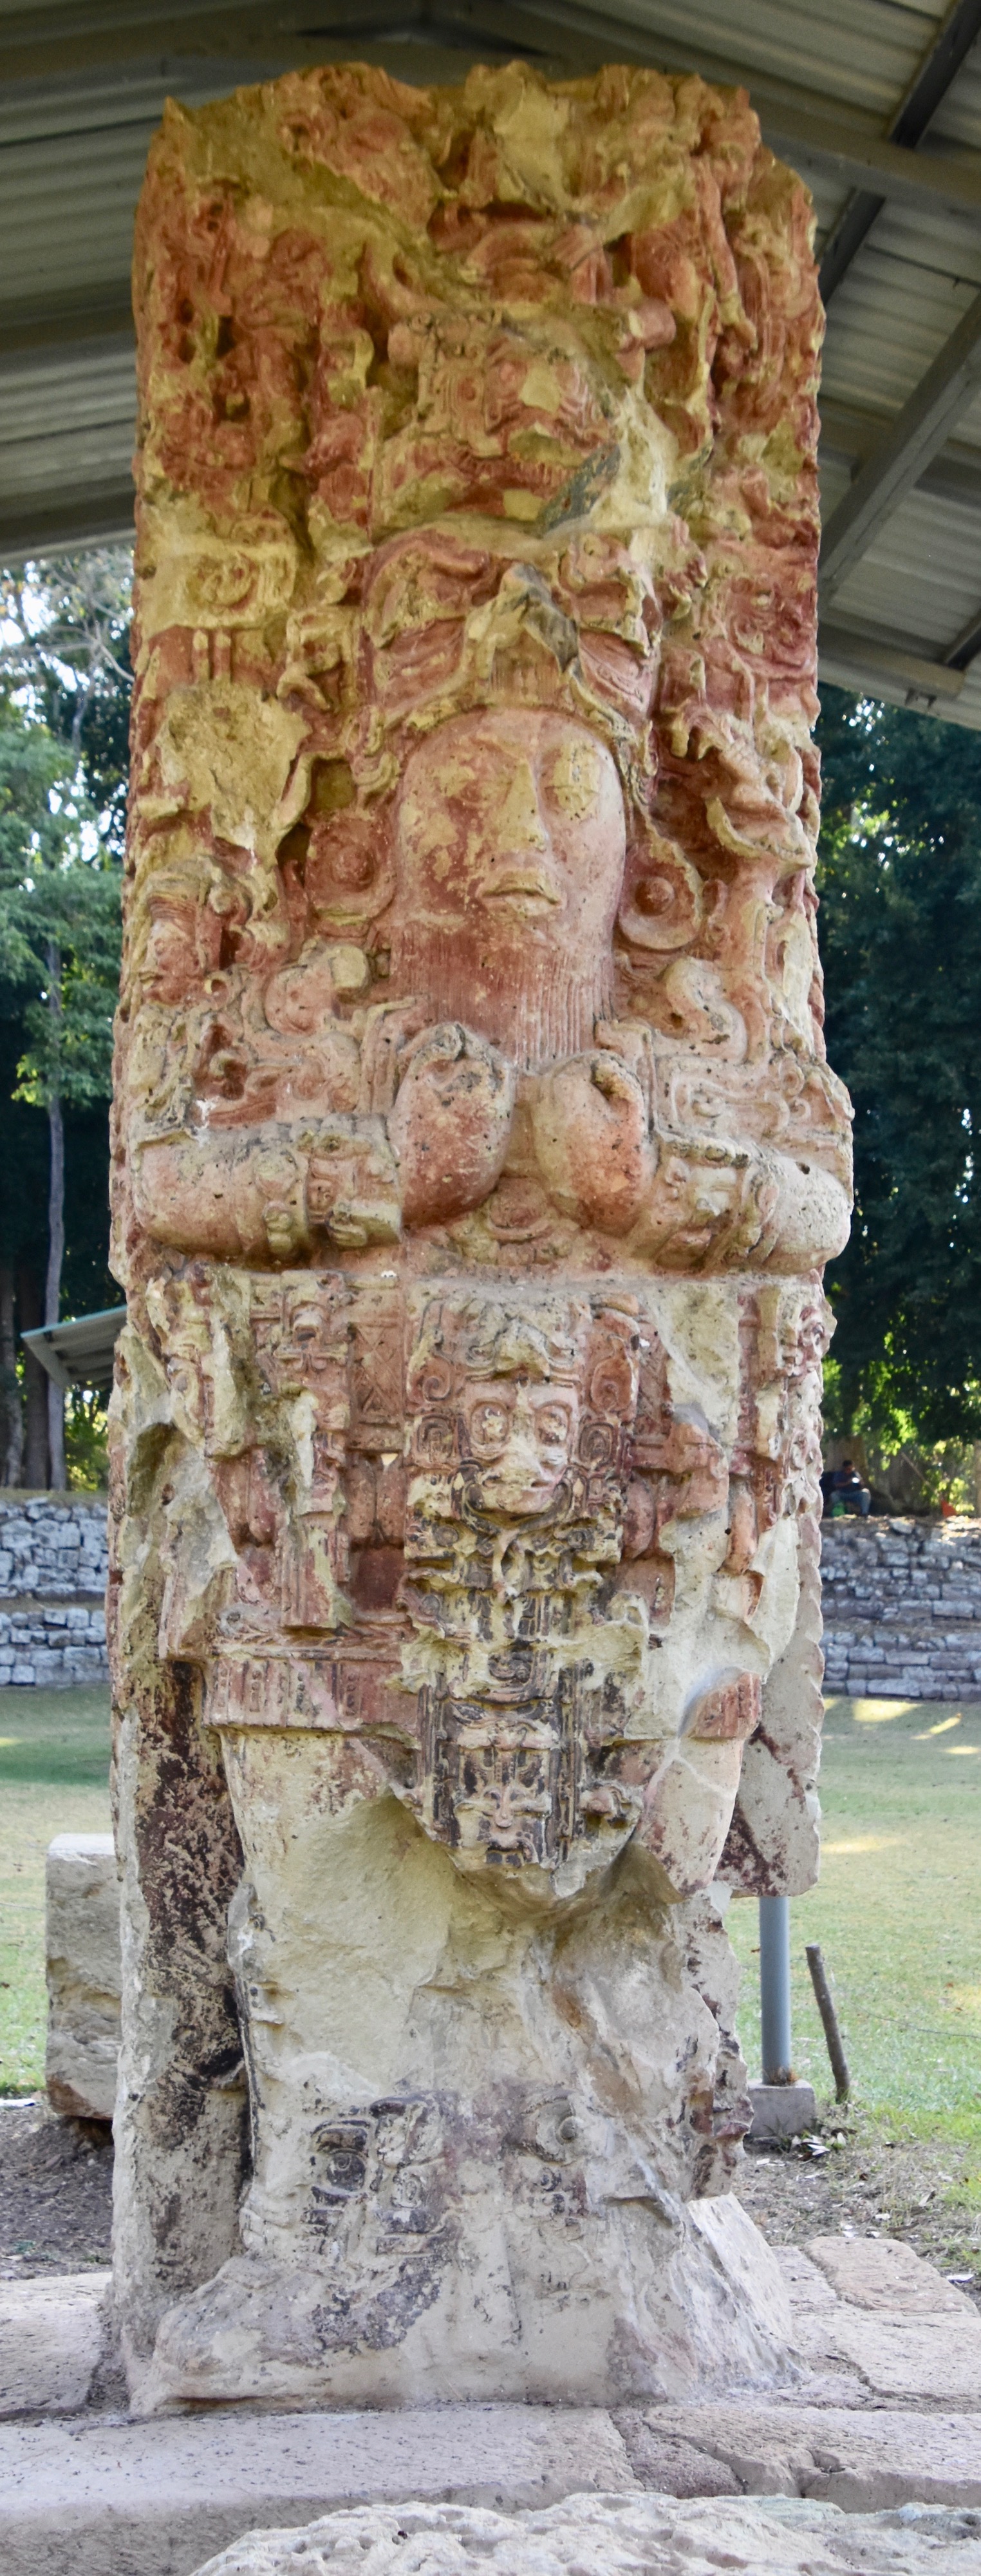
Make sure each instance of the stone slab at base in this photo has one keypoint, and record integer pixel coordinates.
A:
(82, 2497)
(781, 2110)
(874, 2311)
(619, 2536)
(861, 2459)
(153, 2499)
(54, 2337)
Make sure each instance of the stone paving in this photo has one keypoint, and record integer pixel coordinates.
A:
(880, 2415)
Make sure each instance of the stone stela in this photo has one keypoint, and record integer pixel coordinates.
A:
(476, 1161)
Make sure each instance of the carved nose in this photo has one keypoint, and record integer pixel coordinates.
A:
(519, 1463)
(521, 824)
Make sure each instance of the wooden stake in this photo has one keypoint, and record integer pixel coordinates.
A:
(822, 1990)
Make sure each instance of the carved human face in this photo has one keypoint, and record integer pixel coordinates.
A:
(170, 966)
(511, 842)
(518, 1442)
(503, 1786)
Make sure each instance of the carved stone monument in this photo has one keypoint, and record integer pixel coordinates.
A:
(477, 1158)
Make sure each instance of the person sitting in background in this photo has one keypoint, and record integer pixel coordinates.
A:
(844, 1491)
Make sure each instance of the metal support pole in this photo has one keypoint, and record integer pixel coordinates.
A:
(775, 1988)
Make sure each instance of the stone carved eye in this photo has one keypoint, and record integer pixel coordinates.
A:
(663, 903)
(345, 2169)
(490, 1425)
(552, 1425)
(435, 1383)
(434, 1441)
(610, 1386)
(596, 1444)
(344, 2162)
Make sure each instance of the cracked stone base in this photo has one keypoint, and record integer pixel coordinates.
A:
(643, 2306)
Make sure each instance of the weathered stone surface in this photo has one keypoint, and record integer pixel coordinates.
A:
(53, 2337)
(713, 2307)
(145, 2499)
(477, 1157)
(83, 1973)
(879, 2272)
(618, 2536)
(873, 2307)
(861, 2459)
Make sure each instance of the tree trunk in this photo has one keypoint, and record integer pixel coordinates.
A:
(11, 1410)
(56, 1218)
(52, 1289)
(35, 1386)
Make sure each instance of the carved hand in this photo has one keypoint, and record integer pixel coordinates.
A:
(591, 1137)
(451, 1123)
(251, 1193)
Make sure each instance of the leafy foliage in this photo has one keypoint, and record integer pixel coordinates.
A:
(900, 881)
(64, 711)
(64, 655)
(59, 919)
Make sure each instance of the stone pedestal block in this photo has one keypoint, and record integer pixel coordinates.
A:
(781, 2110)
(54, 2335)
(83, 1970)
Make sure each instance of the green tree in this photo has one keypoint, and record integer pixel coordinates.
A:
(59, 955)
(64, 665)
(900, 883)
(64, 653)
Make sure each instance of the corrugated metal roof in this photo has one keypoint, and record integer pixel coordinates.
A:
(83, 87)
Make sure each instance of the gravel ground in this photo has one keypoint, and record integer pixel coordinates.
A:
(56, 2187)
(55, 2192)
(853, 2180)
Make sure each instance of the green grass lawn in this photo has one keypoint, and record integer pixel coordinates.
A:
(896, 1911)
(898, 1917)
(54, 1779)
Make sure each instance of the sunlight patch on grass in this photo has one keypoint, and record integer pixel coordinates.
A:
(855, 1843)
(880, 1712)
(901, 1935)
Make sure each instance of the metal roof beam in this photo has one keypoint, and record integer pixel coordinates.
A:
(953, 475)
(966, 646)
(928, 87)
(35, 328)
(81, 518)
(797, 122)
(913, 439)
(856, 657)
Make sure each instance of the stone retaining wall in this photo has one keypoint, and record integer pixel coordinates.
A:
(902, 1600)
(902, 1608)
(53, 1565)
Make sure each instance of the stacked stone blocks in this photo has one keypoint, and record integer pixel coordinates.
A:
(52, 1585)
(902, 1609)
